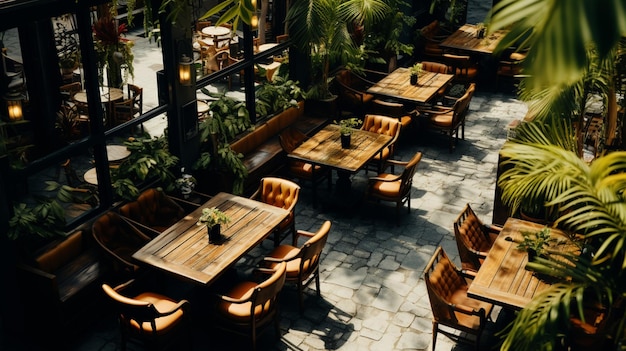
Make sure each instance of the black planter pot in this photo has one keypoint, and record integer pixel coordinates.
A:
(215, 234)
(345, 140)
(413, 79)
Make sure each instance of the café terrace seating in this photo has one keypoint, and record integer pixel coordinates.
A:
(281, 193)
(451, 307)
(150, 318)
(249, 308)
(303, 263)
(382, 125)
(473, 238)
(392, 187)
(448, 120)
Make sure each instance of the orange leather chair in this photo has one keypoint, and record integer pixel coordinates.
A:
(281, 193)
(290, 139)
(450, 119)
(352, 92)
(119, 240)
(249, 307)
(451, 307)
(473, 238)
(393, 109)
(383, 125)
(151, 318)
(303, 263)
(465, 70)
(153, 209)
(394, 188)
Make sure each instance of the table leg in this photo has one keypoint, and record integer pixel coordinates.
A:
(344, 184)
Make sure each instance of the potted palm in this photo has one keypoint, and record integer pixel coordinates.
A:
(321, 30)
(212, 218)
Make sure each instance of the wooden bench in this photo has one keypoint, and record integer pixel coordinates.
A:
(60, 286)
(261, 148)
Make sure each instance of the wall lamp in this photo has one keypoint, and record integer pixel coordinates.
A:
(184, 70)
(14, 105)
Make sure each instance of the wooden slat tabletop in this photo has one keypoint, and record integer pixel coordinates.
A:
(324, 148)
(184, 249)
(503, 279)
(397, 85)
(465, 39)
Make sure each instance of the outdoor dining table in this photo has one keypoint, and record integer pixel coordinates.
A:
(184, 250)
(108, 96)
(215, 31)
(115, 153)
(324, 149)
(397, 85)
(503, 278)
(465, 39)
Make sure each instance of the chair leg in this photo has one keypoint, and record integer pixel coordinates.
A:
(301, 297)
(435, 328)
(317, 282)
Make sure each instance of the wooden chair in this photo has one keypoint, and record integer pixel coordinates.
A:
(289, 140)
(473, 238)
(69, 90)
(451, 307)
(394, 188)
(282, 38)
(248, 308)
(465, 70)
(303, 263)
(352, 93)
(153, 209)
(510, 67)
(449, 119)
(281, 193)
(151, 318)
(382, 125)
(135, 92)
(436, 67)
(393, 109)
(202, 24)
(119, 240)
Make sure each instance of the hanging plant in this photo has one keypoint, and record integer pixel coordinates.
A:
(114, 52)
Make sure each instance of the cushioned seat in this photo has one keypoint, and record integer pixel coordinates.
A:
(382, 125)
(303, 262)
(281, 193)
(451, 307)
(473, 238)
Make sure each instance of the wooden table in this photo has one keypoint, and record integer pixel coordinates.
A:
(324, 148)
(215, 31)
(184, 249)
(397, 85)
(106, 95)
(464, 39)
(115, 153)
(502, 278)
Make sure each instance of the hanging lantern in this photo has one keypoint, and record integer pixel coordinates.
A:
(14, 106)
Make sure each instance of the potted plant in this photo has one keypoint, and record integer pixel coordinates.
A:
(185, 184)
(213, 218)
(480, 30)
(535, 243)
(114, 52)
(415, 71)
(345, 130)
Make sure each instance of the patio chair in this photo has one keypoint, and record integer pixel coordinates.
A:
(448, 120)
(151, 318)
(352, 93)
(473, 238)
(303, 263)
(281, 193)
(465, 70)
(248, 308)
(382, 125)
(394, 188)
(451, 307)
(153, 209)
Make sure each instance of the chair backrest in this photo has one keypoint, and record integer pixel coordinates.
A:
(436, 67)
(118, 238)
(124, 111)
(154, 209)
(442, 281)
(382, 125)
(278, 192)
(136, 93)
(311, 251)
(282, 38)
(460, 64)
(461, 106)
(388, 108)
(69, 90)
(291, 138)
(469, 234)
(408, 172)
(265, 295)
(223, 59)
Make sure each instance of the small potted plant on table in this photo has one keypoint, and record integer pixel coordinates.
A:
(416, 71)
(345, 130)
(213, 218)
(535, 243)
